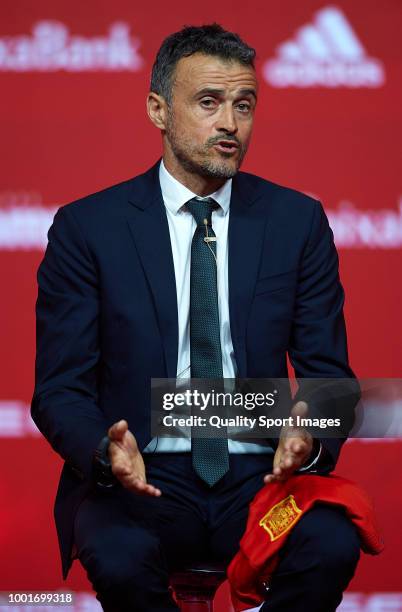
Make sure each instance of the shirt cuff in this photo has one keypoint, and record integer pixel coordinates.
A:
(312, 463)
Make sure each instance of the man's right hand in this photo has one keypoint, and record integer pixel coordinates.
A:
(127, 462)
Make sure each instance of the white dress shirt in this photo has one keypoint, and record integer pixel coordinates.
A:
(182, 226)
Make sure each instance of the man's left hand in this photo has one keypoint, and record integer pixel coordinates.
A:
(294, 448)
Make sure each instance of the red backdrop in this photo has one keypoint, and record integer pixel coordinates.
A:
(73, 80)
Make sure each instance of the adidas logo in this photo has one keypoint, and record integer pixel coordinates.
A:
(325, 53)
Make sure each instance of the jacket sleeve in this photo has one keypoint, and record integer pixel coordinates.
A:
(318, 344)
(65, 400)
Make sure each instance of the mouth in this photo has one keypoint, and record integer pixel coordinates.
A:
(226, 146)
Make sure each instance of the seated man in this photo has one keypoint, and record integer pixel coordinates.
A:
(129, 290)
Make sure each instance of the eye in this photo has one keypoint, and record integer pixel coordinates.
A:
(208, 102)
(244, 107)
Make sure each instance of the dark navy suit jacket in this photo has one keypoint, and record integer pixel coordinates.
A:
(107, 313)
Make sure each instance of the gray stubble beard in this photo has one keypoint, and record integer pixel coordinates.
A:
(206, 168)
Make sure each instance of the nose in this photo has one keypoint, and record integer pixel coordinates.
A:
(227, 119)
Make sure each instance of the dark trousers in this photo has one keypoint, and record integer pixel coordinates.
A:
(129, 544)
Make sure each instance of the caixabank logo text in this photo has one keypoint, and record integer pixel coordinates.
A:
(52, 47)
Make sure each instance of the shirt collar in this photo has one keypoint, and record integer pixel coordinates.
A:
(175, 194)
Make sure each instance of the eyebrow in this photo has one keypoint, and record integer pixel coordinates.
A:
(220, 92)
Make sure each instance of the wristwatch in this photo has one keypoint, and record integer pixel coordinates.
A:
(102, 473)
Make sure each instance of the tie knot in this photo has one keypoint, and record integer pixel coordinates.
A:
(202, 209)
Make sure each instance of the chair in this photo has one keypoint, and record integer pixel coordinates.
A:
(195, 586)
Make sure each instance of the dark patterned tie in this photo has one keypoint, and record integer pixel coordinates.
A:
(209, 455)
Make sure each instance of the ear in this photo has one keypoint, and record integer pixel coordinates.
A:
(157, 110)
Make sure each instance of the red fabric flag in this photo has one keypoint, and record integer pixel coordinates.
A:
(274, 512)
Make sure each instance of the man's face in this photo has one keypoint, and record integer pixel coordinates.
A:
(210, 119)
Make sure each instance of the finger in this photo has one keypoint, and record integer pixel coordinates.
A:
(295, 447)
(140, 486)
(120, 426)
(290, 445)
(134, 482)
(294, 444)
(122, 471)
(271, 478)
(286, 468)
(117, 430)
(283, 471)
(301, 449)
(151, 490)
(292, 461)
(289, 462)
(280, 472)
(286, 456)
(122, 465)
(299, 409)
(285, 462)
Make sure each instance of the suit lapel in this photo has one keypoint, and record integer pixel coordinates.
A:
(149, 227)
(246, 234)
